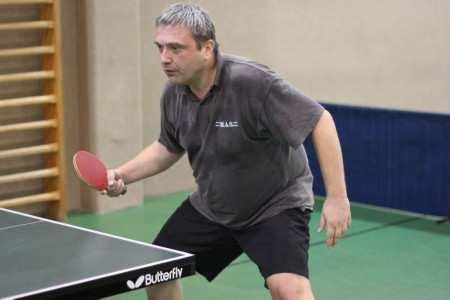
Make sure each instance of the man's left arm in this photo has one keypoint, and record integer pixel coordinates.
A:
(336, 216)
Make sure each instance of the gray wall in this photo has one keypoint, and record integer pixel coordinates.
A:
(391, 54)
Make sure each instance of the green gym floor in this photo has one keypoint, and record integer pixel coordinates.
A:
(385, 255)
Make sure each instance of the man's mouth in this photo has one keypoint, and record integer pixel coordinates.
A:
(170, 72)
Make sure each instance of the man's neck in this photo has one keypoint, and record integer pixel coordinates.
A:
(203, 85)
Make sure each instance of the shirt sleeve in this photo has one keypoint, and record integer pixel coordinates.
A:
(289, 114)
(167, 135)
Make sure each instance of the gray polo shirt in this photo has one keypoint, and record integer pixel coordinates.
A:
(243, 141)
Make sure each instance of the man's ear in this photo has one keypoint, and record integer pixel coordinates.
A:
(208, 48)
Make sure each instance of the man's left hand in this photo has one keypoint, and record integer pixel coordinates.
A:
(336, 218)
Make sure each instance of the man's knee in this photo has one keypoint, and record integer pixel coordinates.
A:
(168, 290)
(287, 286)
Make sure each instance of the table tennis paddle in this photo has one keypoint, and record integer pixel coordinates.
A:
(90, 170)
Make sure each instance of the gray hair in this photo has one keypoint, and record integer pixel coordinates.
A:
(194, 18)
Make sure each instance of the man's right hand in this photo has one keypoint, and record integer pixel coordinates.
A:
(116, 184)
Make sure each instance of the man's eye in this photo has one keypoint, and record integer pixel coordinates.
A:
(175, 49)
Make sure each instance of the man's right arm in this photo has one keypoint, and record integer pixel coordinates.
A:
(152, 160)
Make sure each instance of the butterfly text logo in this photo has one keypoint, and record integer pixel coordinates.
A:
(157, 277)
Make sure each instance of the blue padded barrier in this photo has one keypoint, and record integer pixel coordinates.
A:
(392, 158)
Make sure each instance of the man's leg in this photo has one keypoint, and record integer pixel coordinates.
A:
(279, 247)
(289, 286)
(189, 231)
(165, 291)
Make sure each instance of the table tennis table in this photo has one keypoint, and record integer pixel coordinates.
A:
(45, 259)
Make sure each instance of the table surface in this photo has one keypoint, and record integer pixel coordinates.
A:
(42, 259)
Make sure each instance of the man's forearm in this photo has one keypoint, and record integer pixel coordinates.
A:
(328, 150)
(152, 160)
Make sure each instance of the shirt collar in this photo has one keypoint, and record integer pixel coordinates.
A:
(219, 67)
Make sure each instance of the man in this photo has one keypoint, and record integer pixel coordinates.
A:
(242, 127)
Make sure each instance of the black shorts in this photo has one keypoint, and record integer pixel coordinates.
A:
(276, 245)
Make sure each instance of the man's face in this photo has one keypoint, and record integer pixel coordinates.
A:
(181, 60)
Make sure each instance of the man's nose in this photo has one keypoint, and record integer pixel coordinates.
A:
(165, 56)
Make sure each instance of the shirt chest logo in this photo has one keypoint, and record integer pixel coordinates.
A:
(227, 124)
